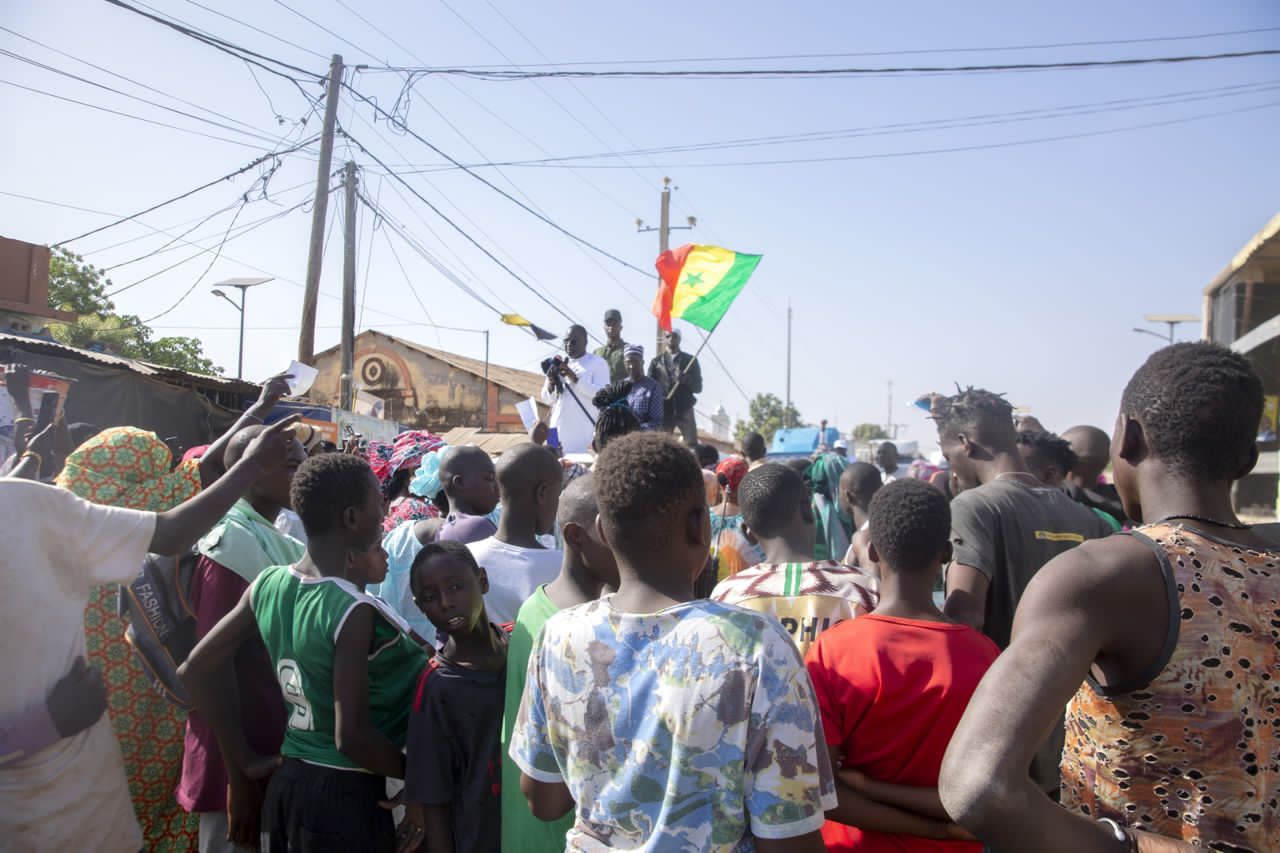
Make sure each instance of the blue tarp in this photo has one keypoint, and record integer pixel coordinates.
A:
(800, 441)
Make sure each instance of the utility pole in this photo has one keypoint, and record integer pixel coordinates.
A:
(307, 335)
(347, 377)
(786, 412)
(664, 230)
(889, 428)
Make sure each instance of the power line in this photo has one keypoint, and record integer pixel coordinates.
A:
(127, 79)
(958, 122)
(905, 52)
(252, 164)
(390, 119)
(241, 53)
(266, 33)
(314, 23)
(217, 254)
(496, 75)
(462, 232)
(928, 151)
(123, 114)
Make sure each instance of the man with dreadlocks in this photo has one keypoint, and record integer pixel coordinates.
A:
(1005, 525)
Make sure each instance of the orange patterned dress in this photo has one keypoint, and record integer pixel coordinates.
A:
(125, 466)
(1192, 751)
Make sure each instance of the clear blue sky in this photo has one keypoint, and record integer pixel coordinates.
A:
(1021, 268)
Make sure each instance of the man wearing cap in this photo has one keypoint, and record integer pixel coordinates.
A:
(614, 349)
(680, 376)
(841, 447)
(645, 396)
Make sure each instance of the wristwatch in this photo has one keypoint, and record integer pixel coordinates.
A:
(1121, 834)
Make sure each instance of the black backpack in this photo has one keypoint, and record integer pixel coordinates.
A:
(162, 622)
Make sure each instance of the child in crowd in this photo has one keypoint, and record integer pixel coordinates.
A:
(529, 482)
(893, 685)
(452, 773)
(858, 485)
(668, 722)
(588, 568)
(807, 597)
(345, 664)
(462, 478)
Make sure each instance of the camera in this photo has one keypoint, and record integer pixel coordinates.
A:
(551, 369)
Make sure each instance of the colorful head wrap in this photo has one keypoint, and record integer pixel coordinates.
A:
(129, 467)
(734, 469)
(426, 481)
(405, 453)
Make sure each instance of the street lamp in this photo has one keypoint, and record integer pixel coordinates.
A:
(1172, 320)
(243, 284)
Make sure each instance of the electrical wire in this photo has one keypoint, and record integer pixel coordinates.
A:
(252, 164)
(123, 114)
(390, 119)
(906, 52)
(320, 26)
(217, 254)
(497, 75)
(127, 79)
(958, 122)
(266, 33)
(465, 235)
(242, 53)
(929, 151)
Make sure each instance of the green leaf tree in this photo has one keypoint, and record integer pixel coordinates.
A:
(766, 415)
(869, 432)
(81, 287)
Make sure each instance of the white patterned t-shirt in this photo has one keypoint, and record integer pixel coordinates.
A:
(693, 728)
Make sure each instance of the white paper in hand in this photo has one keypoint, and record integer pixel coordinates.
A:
(303, 375)
(528, 411)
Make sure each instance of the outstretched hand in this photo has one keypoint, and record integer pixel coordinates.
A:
(42, 442)
(78, 699)
(273, 391)
(272, 446)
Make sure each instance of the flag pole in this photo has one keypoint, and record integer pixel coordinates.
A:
(705, 340)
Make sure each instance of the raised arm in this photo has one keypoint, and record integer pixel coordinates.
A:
(273, 390)
(180, 527)
(354, 732)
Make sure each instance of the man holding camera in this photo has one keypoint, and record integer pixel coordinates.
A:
(569, 387)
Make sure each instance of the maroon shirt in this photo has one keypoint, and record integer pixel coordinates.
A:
(203, 786)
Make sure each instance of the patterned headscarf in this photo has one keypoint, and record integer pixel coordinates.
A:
(129, 467)
(405, 453)
(734, 469)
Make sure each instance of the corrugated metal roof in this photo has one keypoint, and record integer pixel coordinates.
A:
(141, 367)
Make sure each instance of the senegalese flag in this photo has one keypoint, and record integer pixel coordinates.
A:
(538, 332)
(699, 283)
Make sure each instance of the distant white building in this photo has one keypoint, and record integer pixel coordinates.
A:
(720, 423)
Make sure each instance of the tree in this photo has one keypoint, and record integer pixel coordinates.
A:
(766, 416)
(80, 287)
(869, 432)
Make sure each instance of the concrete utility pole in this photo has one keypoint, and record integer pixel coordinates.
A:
(347, 378)
(307, 335)
(664, 230)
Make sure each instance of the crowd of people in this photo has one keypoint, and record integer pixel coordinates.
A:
(608, 638)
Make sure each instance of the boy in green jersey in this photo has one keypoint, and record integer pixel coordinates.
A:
(345, 664)
(588, 568)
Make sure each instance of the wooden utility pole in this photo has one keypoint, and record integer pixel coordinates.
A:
(664, 230)
(786, 412)
(307, 335)
(347, 380)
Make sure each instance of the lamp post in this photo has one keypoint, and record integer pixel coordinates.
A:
(1172, 320)
(243, 284)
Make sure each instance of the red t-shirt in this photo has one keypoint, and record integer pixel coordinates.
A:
(891, 692)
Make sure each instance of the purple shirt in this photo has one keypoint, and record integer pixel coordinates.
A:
(203, 786)
(460, 527)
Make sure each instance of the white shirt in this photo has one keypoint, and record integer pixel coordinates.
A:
(54, 548)
(574, 426)
(514, 573)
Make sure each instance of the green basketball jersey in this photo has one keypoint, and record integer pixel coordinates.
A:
(299, 619)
